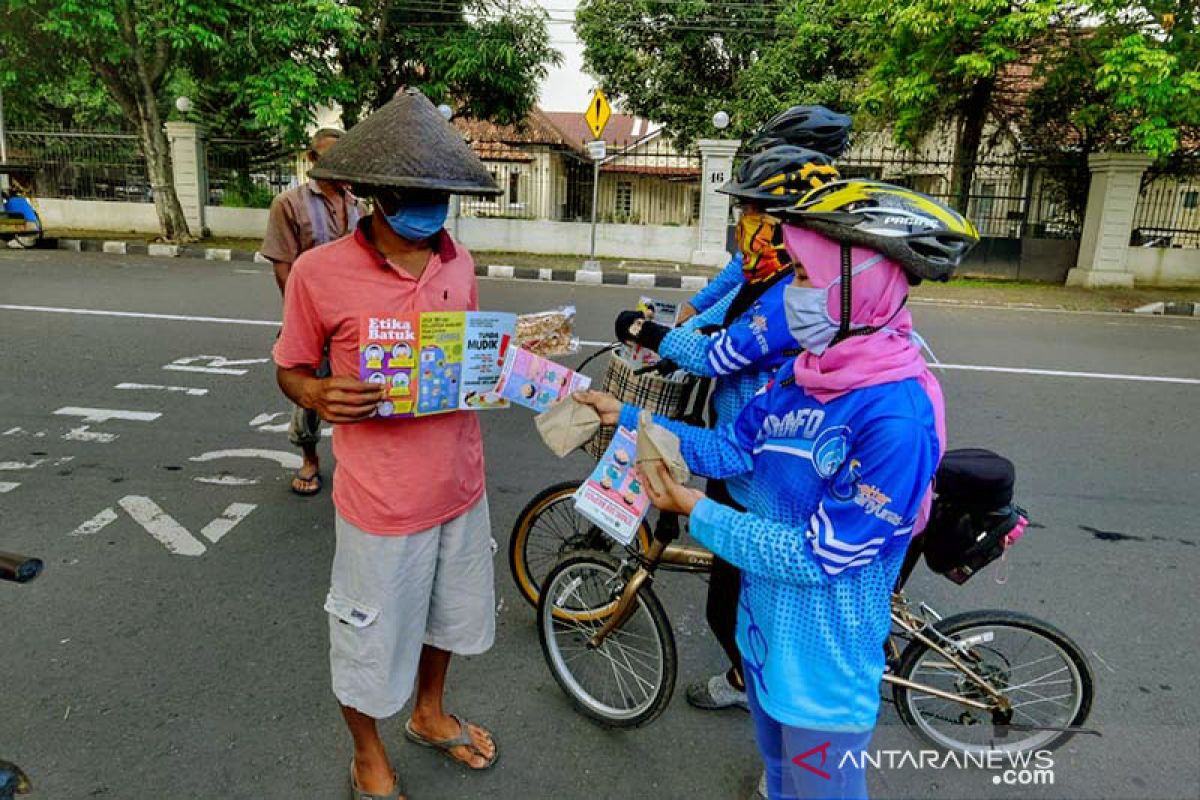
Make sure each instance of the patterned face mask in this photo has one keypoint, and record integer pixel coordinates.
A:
(760, 238)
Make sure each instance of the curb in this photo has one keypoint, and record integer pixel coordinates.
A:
(124, 248)
(641, 280)
(1164, 308)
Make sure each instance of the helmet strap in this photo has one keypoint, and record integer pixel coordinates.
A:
(846, 293)
(844, 330)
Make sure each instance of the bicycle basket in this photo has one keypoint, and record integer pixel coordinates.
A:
(668, 396)
(973, 520)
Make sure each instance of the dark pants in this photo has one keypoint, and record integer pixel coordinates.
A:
(724, 586)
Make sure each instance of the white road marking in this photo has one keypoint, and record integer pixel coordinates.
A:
(7, 486)
(95, 524)
(251, 271)
(15, 465)
(272, 323)
(226, 480)
(229, 519)
(210, 370)
(281, 457)
(13, 431)
(1058, 373)
(264, 418)
(216, 365)
(22, 432)
(83, 434)
(106, 414)
(159, 524)
(188, 390)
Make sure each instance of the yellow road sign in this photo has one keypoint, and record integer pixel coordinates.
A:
(598, 113)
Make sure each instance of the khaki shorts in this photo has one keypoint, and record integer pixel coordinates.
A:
(390, 595)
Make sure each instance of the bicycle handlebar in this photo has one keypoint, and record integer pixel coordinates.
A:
(19, 569)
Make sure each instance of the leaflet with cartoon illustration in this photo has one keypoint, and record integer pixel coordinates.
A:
(613, 497)
(535, 382)
(434, 362)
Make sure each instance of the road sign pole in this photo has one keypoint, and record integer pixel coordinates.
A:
(595, 203)
(3, 146)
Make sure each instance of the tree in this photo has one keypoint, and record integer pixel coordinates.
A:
(678, 62)
(941, 60)
(134, 48)
(486, 57)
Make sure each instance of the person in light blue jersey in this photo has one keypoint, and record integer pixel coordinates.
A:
(841, 448)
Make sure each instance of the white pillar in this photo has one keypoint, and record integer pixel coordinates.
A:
(716, 168)
(189, 164)
(1108, 222)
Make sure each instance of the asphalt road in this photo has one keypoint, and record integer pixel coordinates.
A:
(127, 671)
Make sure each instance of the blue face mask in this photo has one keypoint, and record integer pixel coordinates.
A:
(807, 312)
(417, 221)
(808, 317)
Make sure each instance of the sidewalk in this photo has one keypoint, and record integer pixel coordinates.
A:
(660, 274)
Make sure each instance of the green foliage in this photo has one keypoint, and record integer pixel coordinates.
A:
(483, 57)
(247, 195)
(678, 62)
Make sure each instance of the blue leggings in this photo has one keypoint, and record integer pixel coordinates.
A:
(825, 775)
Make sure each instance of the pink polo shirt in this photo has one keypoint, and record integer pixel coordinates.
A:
(394, 476)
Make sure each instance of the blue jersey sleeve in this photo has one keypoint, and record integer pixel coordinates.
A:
(714, 314)
(754, 340)
(726, 280)
(720, 452)
(871, 502)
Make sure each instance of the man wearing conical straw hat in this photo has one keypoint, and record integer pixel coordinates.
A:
(412, 578)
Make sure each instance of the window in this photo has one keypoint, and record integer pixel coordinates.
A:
(514, 187)
(625, 198)
(1191, 199)
(695, 204)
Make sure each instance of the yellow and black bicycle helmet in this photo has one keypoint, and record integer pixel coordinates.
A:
(925, 236)
(780, 175)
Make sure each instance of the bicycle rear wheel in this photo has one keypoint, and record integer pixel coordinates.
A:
(628, 680)
(546, 530)
(1033, 664)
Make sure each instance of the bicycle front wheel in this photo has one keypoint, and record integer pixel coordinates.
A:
(1035, 666)
(549, 528)
(628, 680)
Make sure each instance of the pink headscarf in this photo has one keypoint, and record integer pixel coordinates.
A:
(885, 356)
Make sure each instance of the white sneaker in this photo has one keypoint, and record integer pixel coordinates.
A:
(716, 692)
(762, 786)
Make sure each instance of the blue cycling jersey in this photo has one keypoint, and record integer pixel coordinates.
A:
(742, 356)
(835, 492)
(725, 281)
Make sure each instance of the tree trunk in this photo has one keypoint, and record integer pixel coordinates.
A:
(157, 150)
(974, 113)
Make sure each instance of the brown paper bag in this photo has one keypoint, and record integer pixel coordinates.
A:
(567, 425)
(656, 443)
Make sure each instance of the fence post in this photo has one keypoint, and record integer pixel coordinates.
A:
(189, 164)
(1108, 221)
(716, 168)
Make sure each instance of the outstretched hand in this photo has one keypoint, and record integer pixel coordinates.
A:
(607, 407)
(675, 497)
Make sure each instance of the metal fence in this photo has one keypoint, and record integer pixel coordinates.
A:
(642, 182)
(77, 165)
(247, 173)
(1168, 209)
(1011, 196)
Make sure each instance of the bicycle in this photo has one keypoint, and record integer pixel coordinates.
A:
(17, 569)
(610, 647)
(548, 528)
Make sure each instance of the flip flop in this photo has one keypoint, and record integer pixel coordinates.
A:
(463, 739)
(358, 794)
(315, 479)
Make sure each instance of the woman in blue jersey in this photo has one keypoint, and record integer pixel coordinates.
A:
(741, 341)
(842, 447)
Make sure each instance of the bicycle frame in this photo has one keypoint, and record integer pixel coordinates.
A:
(909, 622)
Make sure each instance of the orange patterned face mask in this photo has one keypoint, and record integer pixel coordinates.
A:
(760, 238)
